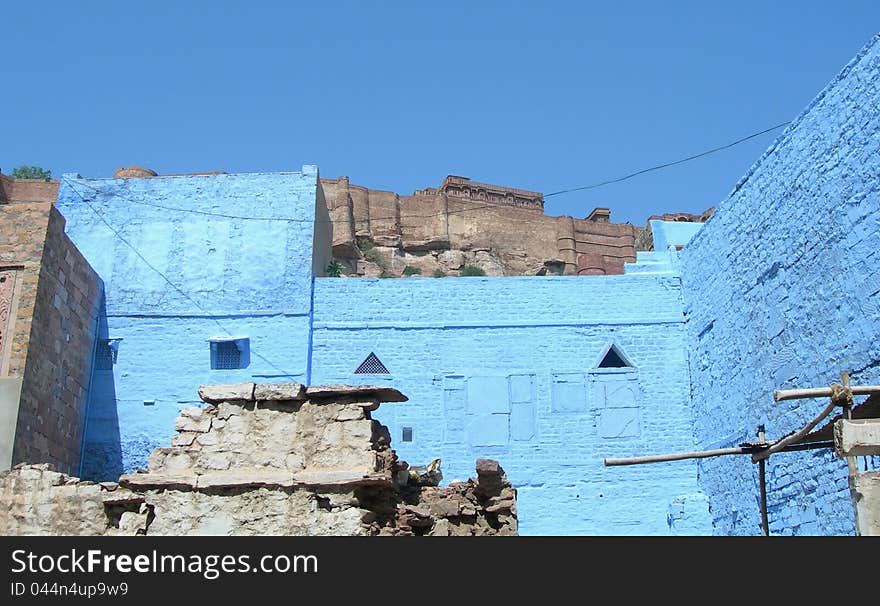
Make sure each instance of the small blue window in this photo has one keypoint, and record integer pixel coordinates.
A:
(106, 351)
(230, 354)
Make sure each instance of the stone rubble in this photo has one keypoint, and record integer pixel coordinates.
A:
(267, 460)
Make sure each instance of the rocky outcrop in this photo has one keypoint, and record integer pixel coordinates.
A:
(267, 460)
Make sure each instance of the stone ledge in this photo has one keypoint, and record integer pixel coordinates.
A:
(377, 392)
(244, 477)
(214, 394)
(158, 480)
(280, 392)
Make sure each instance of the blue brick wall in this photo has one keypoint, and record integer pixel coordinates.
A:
(782, 290)
(672, 233)
(231, 277)
(506, 368)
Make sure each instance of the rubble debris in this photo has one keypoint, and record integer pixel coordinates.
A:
(267, 460)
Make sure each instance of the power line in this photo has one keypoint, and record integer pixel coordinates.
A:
(668, 164)
(440, 213)
(172, 284)
(286, 219)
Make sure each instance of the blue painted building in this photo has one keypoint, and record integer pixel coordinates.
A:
(208, 279)
(782, 290)
(548, 375)
(213, 279)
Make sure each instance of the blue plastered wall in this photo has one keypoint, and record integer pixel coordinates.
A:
(506, 368)
(782, 290)
(181, 266)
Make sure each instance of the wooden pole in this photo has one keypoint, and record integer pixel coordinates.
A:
(852, 466)
(762, 476)
(800, 433)
(821, 392)
(741, 450)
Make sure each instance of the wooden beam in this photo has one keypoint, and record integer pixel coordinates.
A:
(821, 392)
(799, 434)
(740, 450)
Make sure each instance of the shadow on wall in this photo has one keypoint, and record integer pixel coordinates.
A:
(102, 450)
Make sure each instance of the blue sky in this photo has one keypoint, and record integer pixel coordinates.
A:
(539, 95)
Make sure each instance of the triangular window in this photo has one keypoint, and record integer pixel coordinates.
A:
(614, 358)
(372, 366)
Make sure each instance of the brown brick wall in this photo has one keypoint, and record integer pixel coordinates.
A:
(22, 236)
(28, 190)
(53, 333)
(60, 353)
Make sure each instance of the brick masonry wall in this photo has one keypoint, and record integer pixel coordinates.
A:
(59, 358)
(506, 368)
(28, 190)
(782, 290)
(231, 276)
(22, 235)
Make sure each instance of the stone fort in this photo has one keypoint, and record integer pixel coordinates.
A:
(501, 230)
(585, 340)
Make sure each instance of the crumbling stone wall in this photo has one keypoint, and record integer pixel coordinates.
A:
(267, 460)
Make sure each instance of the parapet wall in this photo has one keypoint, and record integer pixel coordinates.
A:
(28, 190)
(276, 459)
(782, 290)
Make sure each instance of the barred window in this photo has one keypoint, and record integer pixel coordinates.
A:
(372, 365)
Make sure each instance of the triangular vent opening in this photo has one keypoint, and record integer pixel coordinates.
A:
(614, 359)
(372, 366)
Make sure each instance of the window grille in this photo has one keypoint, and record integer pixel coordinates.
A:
(225, 355)
(105, 355)
(371, 366)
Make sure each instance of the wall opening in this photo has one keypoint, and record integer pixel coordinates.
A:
(230, 354)
(105, 354)
(407, 434)
(372, 365)
(614, 358)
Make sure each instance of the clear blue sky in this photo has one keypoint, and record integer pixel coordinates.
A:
(540, 95)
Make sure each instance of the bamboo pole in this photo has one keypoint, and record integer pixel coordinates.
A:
(821, 392)
(740, 450)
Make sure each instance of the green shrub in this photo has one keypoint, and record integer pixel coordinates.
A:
(31, 172)
(439, 273)
(471, 270)
(334, 270)
(409, 270)
(364, 244)
(376, 257)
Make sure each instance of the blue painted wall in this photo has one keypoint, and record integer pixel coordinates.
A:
(229, 276)
(672, 233)
(782, 290)
(506, 368)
